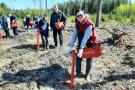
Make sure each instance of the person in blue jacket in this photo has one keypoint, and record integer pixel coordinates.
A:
(82, 32)
(43, 26)
(5, 23)
(36, 21)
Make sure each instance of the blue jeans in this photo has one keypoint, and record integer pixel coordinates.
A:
(78, 65)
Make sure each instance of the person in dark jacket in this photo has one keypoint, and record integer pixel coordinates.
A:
(44, 31)
(82, 32)
(57, 16)
(13, 20)
(28, 19)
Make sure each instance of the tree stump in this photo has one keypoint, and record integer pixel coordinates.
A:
(120, 38)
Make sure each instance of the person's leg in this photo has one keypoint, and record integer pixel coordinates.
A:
(13, 31)
(27, 26)
(24, 24)
(46, 42)
(88, 66)
(55, 37)
(43, 41)
(7, 33)
(60, 37)
(78, 66)
(16, 31)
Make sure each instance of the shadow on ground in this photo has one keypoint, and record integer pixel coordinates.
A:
(54, 75)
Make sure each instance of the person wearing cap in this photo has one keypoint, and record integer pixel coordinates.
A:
(43, 26)
(57, 18)
(5, 23)
(82, 32)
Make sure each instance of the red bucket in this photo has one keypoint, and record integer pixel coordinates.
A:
(13, 25)
(92, 52)
(31, 23)
(59, 25)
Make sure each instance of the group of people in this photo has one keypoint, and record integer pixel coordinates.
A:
(82, 31)
(6, 23)
(43, 26)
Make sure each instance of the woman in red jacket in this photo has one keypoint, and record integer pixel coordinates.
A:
(82, 32)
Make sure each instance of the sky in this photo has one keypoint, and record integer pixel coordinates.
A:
(23, 4)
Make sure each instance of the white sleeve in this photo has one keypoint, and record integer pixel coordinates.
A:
(87, 35)
(8, 21)
(73, 38)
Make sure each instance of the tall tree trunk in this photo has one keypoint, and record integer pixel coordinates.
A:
(46, 7)
(130, 2)
(40, 7)
(99, 12)
(80, 4)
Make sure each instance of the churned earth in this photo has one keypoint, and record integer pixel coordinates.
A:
(23, 68)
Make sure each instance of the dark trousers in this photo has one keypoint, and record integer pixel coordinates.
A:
(78, 65)
(44, 41)
(59, 32)
(27, 27)
(15, 31)
(7, 33)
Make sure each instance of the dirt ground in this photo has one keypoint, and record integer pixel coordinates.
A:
(22, 68)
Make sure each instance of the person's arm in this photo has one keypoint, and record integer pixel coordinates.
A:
(8, 22)
(48, 28)
(64, 18)
(73, 38)
(87, 35)
(51, 25)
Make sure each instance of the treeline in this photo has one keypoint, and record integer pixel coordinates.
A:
(32, 12)
(21, 13)
(122, 11)
(4, 9)
(90, 6)
(118, 7)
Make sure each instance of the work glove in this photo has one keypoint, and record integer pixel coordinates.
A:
(80, 52)
(13, 21)
(69, 50)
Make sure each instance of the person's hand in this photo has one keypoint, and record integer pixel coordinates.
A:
(80, 53)
(69, 50)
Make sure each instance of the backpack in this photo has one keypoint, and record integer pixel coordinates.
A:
(4, 23)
